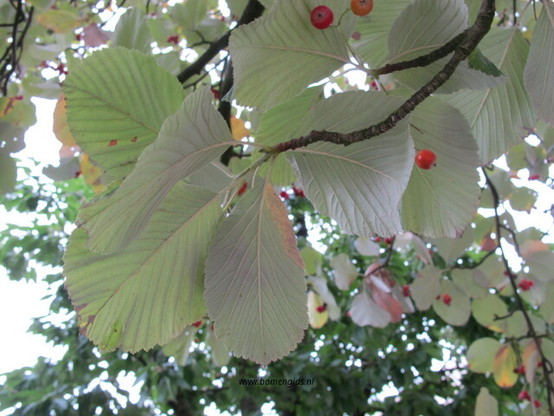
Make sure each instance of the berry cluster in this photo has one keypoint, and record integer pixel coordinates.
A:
(322, 16)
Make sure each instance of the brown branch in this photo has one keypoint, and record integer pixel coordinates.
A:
(547, 367)
(420, 61)
(472, 36)
(253, 10)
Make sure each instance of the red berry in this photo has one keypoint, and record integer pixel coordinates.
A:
(389, 240)
(361, 7)
(321, 17)
(525, 284)
(425, 159)
(173, 39)
(520, 369)
(197, 324)
(321, 308)
(406, 290)
(536, 403)
(298, 192)
(242, 189)
(284, 195)
(523, 395)
(534, 177)
(446, 299)
(377, 239)
(215, 93)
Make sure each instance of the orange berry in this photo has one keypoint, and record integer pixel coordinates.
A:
(361, 7)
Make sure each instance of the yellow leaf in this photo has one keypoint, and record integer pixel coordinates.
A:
(317, 310)
(58, 21)
(238, 128)
(505, 363)
(61, 128)
(92, 174)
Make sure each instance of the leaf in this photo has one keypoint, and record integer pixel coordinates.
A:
(154, 287)
(8, 173)
(343, 271)
(284, 43)
(539, 69)
(255, 285)
(316, 318)
(58, 21)
(282, 122)
(547, 308)
(179, 347)
(457, 312)
(452, 248)
(424, 26)
(189, 140)
(367, 247)
(360, 186)
(105, 107)
(450, 190)
(486, 311)
(60, 126)
(486, 404)
(480, 62)
(320, 286)
(132, 31)
(505, 362)
(541, 264)
(219, 353)
(426, 287)
(481, 354)
(507, 49)
(365, 312)
(374, 31)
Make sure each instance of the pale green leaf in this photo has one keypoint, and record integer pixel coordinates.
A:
(189, 140)
(111, 119)
(440, 202)
(360, 186)
(541, 264)
(218, 351)
(190, 14)
(283, 42)
(458, 311)
(179, 347)
(255, 285)
(374, 30)
(547, 308)
(516, 325)
(153, 289)
(282, 122)
(312, 259)
(486, 404)
(424, 26)
(452, 248)
(489, 311)
(500, 116)
(343, 271)
(539, 70)
(481, 353)
(316, 318)
(426, 287)
(132, 31)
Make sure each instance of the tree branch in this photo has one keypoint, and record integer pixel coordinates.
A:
(253, 10)
(470, 39)
(547, 365)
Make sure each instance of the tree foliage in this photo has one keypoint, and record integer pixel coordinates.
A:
(248, 210)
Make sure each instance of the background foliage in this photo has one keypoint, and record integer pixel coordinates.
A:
(420, 290)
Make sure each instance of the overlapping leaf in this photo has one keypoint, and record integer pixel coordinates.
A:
(132, 31)
(539, 70)
(255, 285)
(424, 26)
(283, 43)
(111, 118)
(360, 186)
(148, 293)
(499, 117)
(440, 202)
(189, 140)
